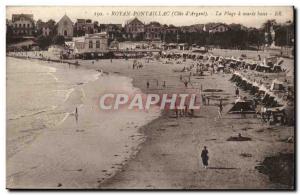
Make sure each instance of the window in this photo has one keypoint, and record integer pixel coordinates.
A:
(90, 44)
(20, 25)
(24, 25)
(97, 44)
(65, 33)
(28, 25)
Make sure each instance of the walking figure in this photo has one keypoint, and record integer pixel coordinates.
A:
(164, 85)
(185, 84)
(237, 92)
(203, 99)
(76, 115)
(204, 156)
(220, 109)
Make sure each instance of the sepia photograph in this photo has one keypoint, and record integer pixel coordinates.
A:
(150, 97)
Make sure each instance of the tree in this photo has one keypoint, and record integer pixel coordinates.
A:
(58, 40)
(284, 34)
(256, 38)
(43, 42)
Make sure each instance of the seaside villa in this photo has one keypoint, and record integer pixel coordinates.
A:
(91, 44)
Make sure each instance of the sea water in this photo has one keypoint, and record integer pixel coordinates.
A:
(46, 146)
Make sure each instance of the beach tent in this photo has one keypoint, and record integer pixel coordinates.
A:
(251, 65)
(263, 88)
(277, 85)
(249, 85)
(243, 82)
(255, 88)
(234, 77)
(269, 99)
(271, 61)
(171, 46)
(277, 68)
(241, 106)
(263, 68)
(220, 67)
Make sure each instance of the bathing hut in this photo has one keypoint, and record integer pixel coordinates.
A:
(242, 106)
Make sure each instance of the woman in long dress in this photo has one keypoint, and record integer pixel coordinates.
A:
(204, 156)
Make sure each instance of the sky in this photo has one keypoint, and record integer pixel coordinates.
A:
(249, 16)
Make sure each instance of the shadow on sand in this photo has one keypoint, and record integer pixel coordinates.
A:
(220, 168)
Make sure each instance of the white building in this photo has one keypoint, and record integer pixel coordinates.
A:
(22, 24)
(91, 43)
(219, 28)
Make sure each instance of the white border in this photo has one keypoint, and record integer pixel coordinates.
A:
(4, 3)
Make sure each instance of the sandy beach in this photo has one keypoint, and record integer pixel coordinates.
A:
(168, 156)
(72, 154)
(159, 166)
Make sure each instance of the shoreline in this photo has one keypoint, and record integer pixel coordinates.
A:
(131, 138)
(130, 175)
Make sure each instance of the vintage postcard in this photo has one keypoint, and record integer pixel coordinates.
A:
(150, 98)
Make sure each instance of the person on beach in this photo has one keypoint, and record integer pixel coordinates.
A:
(186, 109)
(76, 115)
(204, 156)
(176, 110)
(164, 84)
(185, 84)
(220, 109)
(203, 99)
(237, 92)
